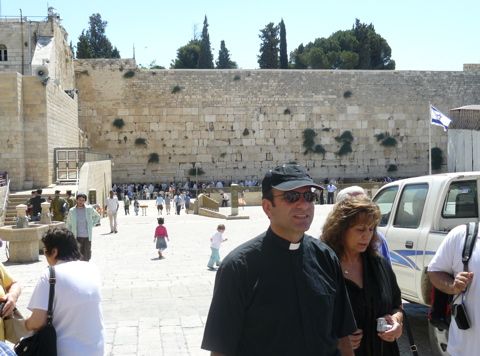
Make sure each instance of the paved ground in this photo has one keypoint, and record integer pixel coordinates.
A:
(159, 307)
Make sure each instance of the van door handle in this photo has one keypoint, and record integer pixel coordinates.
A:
(409, 244)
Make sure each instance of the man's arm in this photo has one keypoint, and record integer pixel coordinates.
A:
(447, 284)
(345, 346)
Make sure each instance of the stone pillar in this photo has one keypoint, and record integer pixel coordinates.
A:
(45, 218)
(234, 199)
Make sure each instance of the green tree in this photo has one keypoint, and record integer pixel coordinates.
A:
(205, 57)
(83, 46)
(297, 58)
(187, 56)
(224, 61)
(283, 46)
(94, 43)
(358, 48)
(268, 58)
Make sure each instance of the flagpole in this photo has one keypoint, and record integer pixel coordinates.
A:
(429, 139)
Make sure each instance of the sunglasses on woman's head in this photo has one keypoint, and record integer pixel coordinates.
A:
(292, 197)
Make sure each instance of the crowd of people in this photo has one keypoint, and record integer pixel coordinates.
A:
(280, 293)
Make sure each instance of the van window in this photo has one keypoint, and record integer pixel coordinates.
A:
(461, 200)
(411, 205)
(384, 200)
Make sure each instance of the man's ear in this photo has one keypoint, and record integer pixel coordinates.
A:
(267, 207)
(54, 253)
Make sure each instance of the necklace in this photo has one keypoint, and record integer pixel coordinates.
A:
(346, 271)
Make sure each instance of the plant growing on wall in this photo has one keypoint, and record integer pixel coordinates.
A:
(392, 168)
(286, 111)
(141, 142)
(237, 77)
(347, 94)
(326, 129)
(246, 132)
(192, 172)
(129, 74)
(346, 138)
(176, 89)
(118, 123)
(386, 140)
(153, 158)
(308, 140)
(437, 158)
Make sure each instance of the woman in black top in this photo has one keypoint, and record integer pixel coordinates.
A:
(351, 231)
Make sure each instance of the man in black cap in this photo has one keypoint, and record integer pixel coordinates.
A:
(58, 207)
(283, 292)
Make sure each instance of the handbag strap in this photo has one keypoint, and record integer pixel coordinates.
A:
(413, 347)
(51, 295)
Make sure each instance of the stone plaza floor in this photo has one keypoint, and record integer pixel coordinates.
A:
(159, 307)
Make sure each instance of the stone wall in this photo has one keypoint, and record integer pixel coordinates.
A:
(239, 123)
(21, 42)
(12, 150)
(35, 118)
(98, 176)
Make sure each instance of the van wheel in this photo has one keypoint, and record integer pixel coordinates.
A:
(438, 340)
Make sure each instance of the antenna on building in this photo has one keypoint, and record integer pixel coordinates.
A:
(134, 51)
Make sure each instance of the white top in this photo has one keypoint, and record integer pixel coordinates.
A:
(217, 240)
(449, 259)
(77, 315)
(112, 205)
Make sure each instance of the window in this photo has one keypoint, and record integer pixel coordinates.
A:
(411, 205)
(3, 53)
(385, 200)
(461, 200)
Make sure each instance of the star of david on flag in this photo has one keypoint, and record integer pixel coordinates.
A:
(439, 119)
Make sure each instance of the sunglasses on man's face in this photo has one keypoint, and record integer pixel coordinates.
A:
(292, 197)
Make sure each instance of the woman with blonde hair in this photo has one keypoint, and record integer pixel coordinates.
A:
(351, 231)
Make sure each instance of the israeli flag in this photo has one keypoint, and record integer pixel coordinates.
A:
(439, 119)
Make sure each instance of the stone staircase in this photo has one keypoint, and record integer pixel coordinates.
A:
(13, 201)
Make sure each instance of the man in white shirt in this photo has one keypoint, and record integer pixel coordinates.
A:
(112, 209)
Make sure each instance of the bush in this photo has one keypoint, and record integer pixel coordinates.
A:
(141, 142)
(437, 158)
(176, 89)
(153, 158)
(392, 168)
(129, 74)
(118, 123)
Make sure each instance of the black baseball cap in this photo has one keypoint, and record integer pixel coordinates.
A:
(287, 177)
(57, 192)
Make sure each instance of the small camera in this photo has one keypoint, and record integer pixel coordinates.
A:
(382, 325)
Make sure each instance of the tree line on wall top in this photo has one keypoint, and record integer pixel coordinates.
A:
(358, 48)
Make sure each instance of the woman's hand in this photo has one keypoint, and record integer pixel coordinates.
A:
(356, 338)
(395, 332)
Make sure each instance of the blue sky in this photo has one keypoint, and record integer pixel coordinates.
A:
(424, 35)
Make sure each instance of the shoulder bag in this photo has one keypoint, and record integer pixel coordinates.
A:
(14, 325)
(44, 341)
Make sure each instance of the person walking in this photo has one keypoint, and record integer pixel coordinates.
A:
(80, 221)
(331, 191)
(167, 202)
(159, 205)
(126, 204)
(160, 235)
(178, 203)
(136, 206)
(111, 207)
(215, 241)
(283, 292)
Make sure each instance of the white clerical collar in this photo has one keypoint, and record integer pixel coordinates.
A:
(294, 246)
